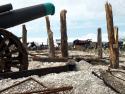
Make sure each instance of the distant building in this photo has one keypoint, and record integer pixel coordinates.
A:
(82, 43)
(58, 41)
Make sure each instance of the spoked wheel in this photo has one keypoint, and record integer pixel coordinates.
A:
(12, 53)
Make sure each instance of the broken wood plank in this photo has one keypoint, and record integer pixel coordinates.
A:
(113, 82)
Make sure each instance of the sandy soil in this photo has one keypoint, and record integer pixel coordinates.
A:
(83, 81)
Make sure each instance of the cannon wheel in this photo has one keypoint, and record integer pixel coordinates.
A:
(12, 53)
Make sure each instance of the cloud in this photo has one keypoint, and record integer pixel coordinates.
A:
(83, 17)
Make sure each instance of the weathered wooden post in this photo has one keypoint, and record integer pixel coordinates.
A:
(64, 43)
(111, 37)
(117, 45)
(50, 38)
(99, 40)
(24, 36)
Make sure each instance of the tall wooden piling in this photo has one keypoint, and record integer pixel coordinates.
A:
(64, 43)
(99, 40)
(24, 35)
(111, 37)
(116, 45)
(50, 38)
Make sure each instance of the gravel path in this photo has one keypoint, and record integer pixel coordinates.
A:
(83, 81)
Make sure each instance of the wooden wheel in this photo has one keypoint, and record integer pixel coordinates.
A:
(12, 53)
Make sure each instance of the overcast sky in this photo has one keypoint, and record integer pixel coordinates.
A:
(83, 18)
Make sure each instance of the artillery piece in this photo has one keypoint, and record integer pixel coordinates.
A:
(12, 51)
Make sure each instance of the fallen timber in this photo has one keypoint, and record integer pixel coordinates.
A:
(39, 88)
(39, 72)
(113, 79)
(50, 91)
(36, 58)
(91, 59)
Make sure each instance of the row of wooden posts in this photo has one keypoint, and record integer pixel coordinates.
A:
(111, 30)
(64, 43)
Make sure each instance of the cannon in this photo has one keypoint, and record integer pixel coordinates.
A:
(12, 51)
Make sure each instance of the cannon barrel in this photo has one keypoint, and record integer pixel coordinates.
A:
(6, 7)
(15, 17)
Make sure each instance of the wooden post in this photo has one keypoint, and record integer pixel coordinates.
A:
(111, 37)
(99, 39)
(24, 36)
(50, 38)
(117, 45)
(64, 43)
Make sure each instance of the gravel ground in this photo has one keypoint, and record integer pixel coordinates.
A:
(83, 81)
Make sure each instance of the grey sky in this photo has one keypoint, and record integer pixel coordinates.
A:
(82, 15)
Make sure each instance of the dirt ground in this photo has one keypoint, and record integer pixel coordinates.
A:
(82, 80)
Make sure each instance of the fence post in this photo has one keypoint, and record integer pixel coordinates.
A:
(99, 39)
(111, 37)
(64, 43)
(50, 38)
(24, 36)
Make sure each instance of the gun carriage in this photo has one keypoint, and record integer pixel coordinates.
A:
(12, 51)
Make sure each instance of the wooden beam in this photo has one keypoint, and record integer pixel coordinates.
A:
(50, 38)
(99, 39)
(39, 72)
(64, 43)
(114, 82)
(111, 38)
(36, 58)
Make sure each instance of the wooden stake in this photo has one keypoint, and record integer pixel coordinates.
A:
(64, 43)
(50, 38)
(24, 36)
(99, 38)
(117, 45)
(110, 30)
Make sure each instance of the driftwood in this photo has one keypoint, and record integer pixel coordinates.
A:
(113, 81)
